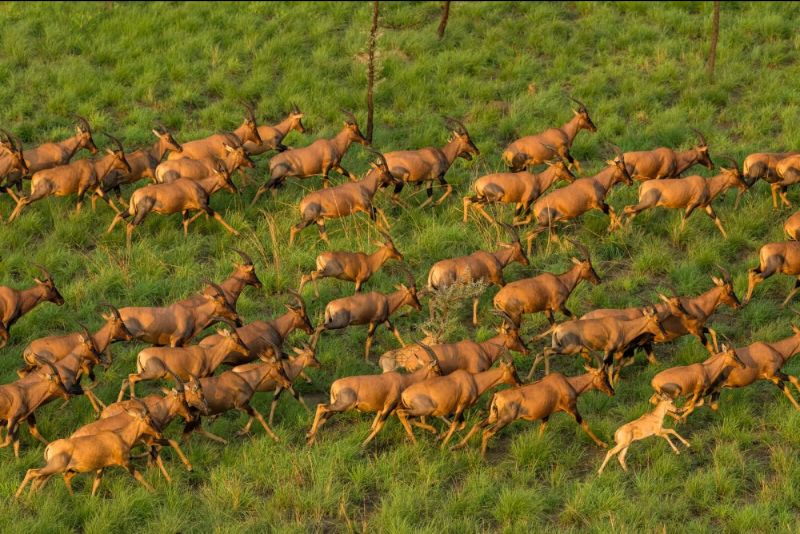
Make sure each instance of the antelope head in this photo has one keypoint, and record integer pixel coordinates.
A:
(223, 310)
(48, 287)
(728, 296)
(622, 173)
(518, 253)
(587, 271)
(250, 126)
(600, 380)
(119, 332)
(584, 120)
(296, 119)
(466, 148)
(165, 137)
(411, 298)
(84, 134)
(246, 271)
(222, 173)
(351, 125)
(118, 154)
(299, 310)
(388, 244)
(14, 147)
(703, 157)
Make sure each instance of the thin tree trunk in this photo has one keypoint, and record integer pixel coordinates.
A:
(371, 69)
(445, 15)
(712, 52)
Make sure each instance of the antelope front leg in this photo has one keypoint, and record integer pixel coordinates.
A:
(252, 412)
(674, 433)
(666, 437)
(711, 213)
(220, 220)
(393, 328)
(448, 190)
(456, 420)
(401, 414)
(368, 343)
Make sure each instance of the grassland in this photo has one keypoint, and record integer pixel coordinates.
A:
(502, 67)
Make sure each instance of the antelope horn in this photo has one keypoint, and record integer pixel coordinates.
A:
(725, 274)
(700, 136)
(349, 115)
(386, 236)
(275, 349)
(429, 350)
(86, 332)
(232, 138)
(46, 274)
(298, 298)
(582, 248)
(381, 159)
(581, 104)
(8, 135)
(161, 126)
(248, 107)
(114, 140)
(179, 386)
(83, 122)
(295, 109)
(457, 125)
(113, 309)
(503, 315)
(555, 151)
(732, 161)
(615, 148)
(218, 289)
(245, 257)
(512, 231)
(409, 277)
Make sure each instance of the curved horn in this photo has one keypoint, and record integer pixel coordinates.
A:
(512, 231)
(409, 277)
(114, 140)
(732, 161)
(113, 309)
(725, 274)
(456, 125)
(615, 148)
(161, 127)
(43, 362)
(386, 236)
(429, 350)
(581, 104)
(245, 257)
(582, 248)
(349, 115)
(381, 159)
(217, 289)
(298, 298)
(46, 274)
(83, 122)
(8, 135)
(295, 109)
(506, 318)
(179, 386)
(700, 137)
(86, 332)
(249, 111)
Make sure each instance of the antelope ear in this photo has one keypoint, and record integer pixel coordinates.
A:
(38, 281)
(717, 281)
(297, 350)
(228, 147)
(663, 297)
(575, 260)
(610, 162)
(725, 347)
(166, 391)
(156, 133)
(110, 151)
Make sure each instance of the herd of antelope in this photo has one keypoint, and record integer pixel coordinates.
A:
(426, 379)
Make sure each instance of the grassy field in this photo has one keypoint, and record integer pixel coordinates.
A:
(504, 68)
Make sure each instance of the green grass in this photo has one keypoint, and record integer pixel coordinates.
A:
(502, 67)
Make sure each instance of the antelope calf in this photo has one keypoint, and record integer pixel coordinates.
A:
(781, 257)
(441, 396)
(539, 400)
(14, 303)
(272, 136)
(546, 292)
(343, 200)
(577, 198)
(378, 394)
(650, 424)
(697, 380)
(214, 145)
(260, 336)
(667, 163)
(95, 452)
(427, 165)
(371, 308)
(521, 188)
(550, 144)
(75, 178)
(688, 194)
(175, 325)
(318, 158)
(200, 169)
(163, 362)
(480, 266)
(352, 266)
(180, 196)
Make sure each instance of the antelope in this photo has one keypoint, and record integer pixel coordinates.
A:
(664, 162)
(480, 266)
(180, 196)
(272, 136)
(697, 380)
(352, 266)
(92, 453)
(608, 335)
(257, 375)
(19, 400)
(175, 325)
(143, 162)
(76, 178)
(781, 257)
(792, 226)
(378, 394)
(53, 154)
(244, 274)
(697, 310)
(650, 424)
(214, 145)
(12, 161)
(163, 362)
(688, 194)
(539, 400)
(788, 172)
(763, 166)
(429, 164)
(577, 198)
(318, 158)
(453, 393)
(56, 348)
(552, 143)
(81, 344)
(14, 303)
(343, 200)
(764, 361)
(546, 292)
(199, 169)
(230, 391)
(521, 188)
(260, 336)
(372, 309)
(471, 356)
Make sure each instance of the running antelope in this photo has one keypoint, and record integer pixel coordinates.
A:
(546, 292)
(696, 381)
(551, 144)
(450, 395)
(214, 145)
(235, 157)
(180, 196)
(688, 194)
(427, 165)
(378, 394)
(343, 200)
(12, 161)
(318, 158)
(14, 303)
(243, 275)
(352, 266)
(521, 188)
(788, 171)
(664, 162)
(577, 198)
(372, 309)
(650, 424)
(763, 166)
(75, 178)
(782, 257)
(272, 136)
(539, 400)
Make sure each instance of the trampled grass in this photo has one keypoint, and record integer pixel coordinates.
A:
(504, 68)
